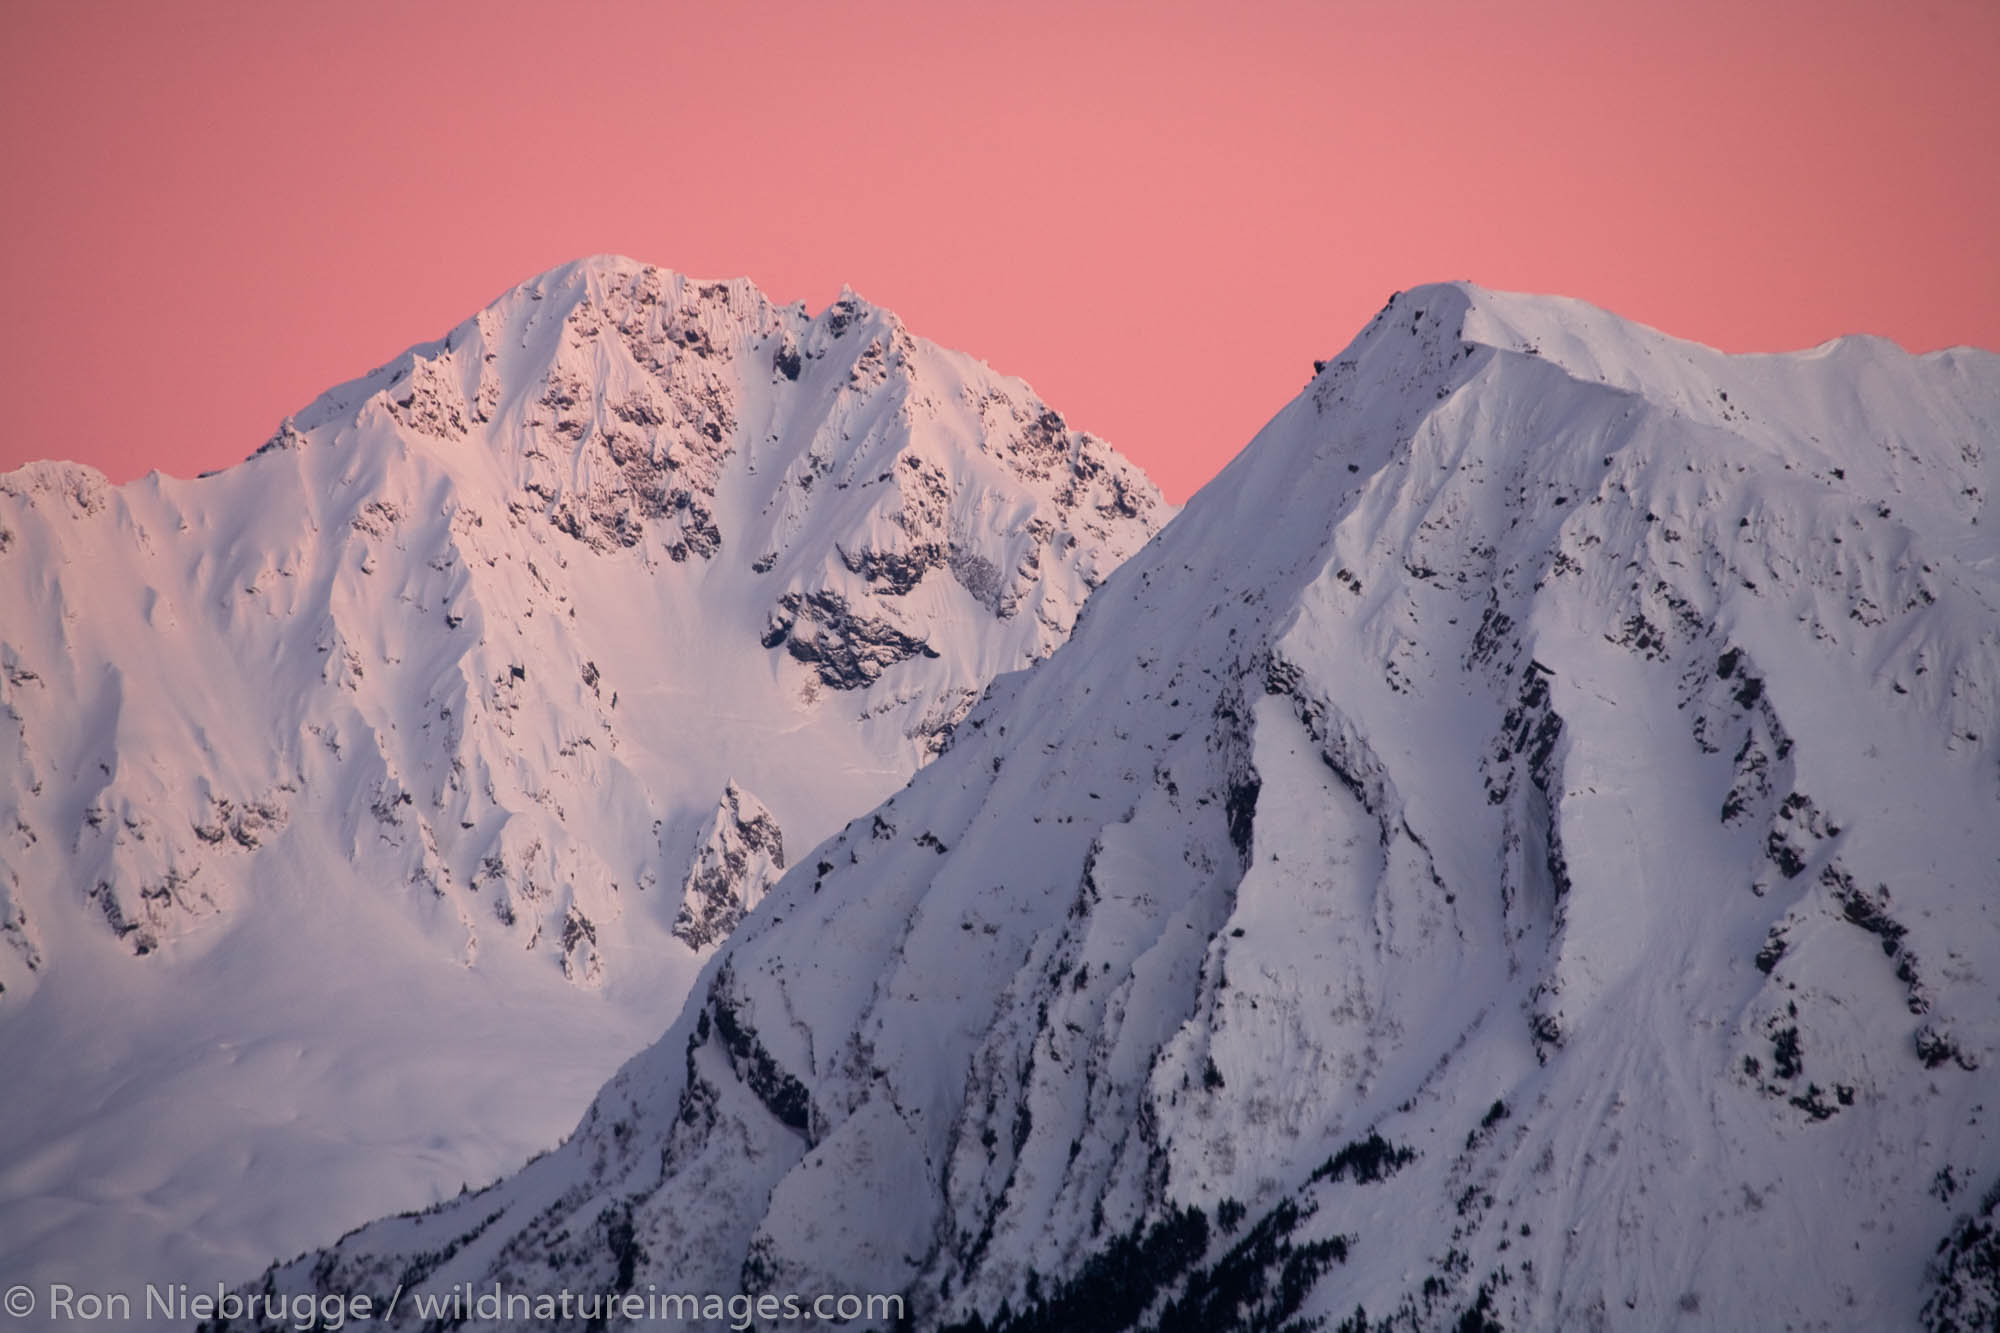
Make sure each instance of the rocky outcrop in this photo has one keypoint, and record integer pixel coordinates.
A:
(740, 854)
(845, 650)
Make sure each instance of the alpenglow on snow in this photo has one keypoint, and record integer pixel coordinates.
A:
(1518, 850)
(368, 802)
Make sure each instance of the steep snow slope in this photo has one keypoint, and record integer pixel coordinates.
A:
(366, 803)
(1520, 848)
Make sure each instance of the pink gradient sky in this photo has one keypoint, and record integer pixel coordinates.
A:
(1158, 214)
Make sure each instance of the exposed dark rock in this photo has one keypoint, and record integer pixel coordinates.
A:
(847, 650)
(741, 852)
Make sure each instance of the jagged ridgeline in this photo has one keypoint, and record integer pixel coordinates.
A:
(443, 738)
(1517, 851)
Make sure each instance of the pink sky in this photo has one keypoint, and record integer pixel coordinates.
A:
(1158, 214)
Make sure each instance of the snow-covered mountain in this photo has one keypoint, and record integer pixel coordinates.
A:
(1519, 850)
(366, 803)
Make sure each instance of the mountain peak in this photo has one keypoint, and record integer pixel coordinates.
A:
(1585, 340)
(1551, 766)
(510, 671)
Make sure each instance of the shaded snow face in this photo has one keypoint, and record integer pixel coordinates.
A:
(1520, 846)
(397, 747)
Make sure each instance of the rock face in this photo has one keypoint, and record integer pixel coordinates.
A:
(739, 855)
(421, 708)
(1518, 851)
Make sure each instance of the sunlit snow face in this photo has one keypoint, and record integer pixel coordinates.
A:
(447, 737)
